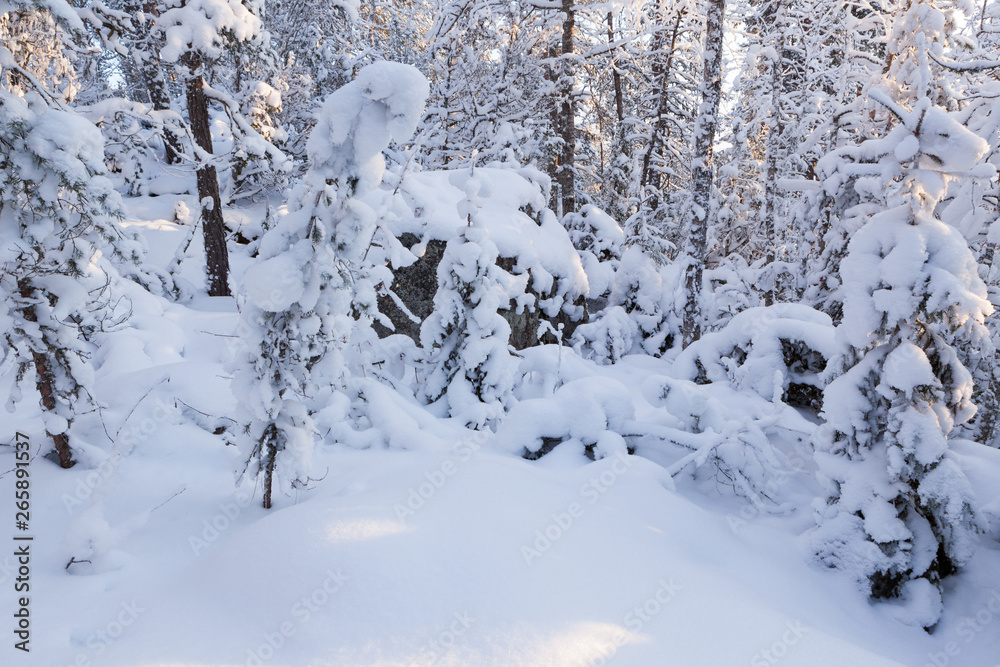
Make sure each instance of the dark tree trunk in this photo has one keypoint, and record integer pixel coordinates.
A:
(567, 112)
(616, 77)
(661, 105)
(703, 171)
(269, 451)
(620, 158)
(216, 252)
(774, 22)
(555, 119)
(44, 382)
(156, 88)
(150, 69)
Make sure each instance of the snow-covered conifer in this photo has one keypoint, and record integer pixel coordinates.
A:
(57, 211)
(470, 364)
(57, 223)
(900, 515)
(299, 296)
(641, 317)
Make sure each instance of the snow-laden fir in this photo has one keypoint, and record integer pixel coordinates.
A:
(465, 333)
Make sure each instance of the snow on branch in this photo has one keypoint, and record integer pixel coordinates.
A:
(247, 132)
(972, 66)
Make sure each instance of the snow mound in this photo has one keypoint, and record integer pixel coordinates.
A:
(770, 351)
(513, 213)
(591, 411)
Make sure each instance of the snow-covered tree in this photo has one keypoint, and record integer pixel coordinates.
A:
(641, 316)
(314, 40)
(300, 297)
(194, 36)
(975, 205)
(57, 211)
(470, 364)
(657, 132)
(34, 37)
(703, 168)
(58, 232)
(900, 515)
(487, 104)
(850, 62)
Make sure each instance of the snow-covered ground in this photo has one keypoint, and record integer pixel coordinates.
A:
(447, 549)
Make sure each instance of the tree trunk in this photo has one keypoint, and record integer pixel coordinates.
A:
(156, 88)
(44, 381)
(703, 170)
(617, 79)
(774, 23)
(269, 451)
(148, 64)
(567, 163)
(661, 105)
(216, 253)
(555, 119)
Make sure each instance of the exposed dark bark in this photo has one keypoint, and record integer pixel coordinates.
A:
(156, 87)
(567, 112)
(44, 382)
(616, 77)
(555, 118)
(774, 22)
(415, 285)
(150, 70)
(703, 170)
(269, 451)
(661, 105)
(216, 253)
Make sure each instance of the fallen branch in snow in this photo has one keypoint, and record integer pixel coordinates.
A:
(104, 425)
(188, 405)
(73, 560)
(636, 429)
(744, 473)
(699, 456)
(182, 252)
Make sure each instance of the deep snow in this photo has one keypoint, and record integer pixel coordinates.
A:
(447, 549)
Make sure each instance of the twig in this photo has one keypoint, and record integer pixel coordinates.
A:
(169, 499)
(188, 405)
(73, 559)
(165, 378)
(104, 425)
